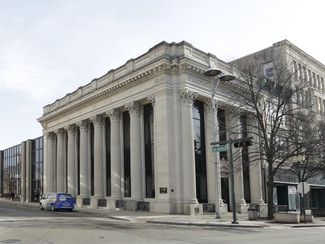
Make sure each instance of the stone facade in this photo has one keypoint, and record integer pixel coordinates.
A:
(92, 152)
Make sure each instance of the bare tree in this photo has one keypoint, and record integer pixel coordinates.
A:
(267, 90)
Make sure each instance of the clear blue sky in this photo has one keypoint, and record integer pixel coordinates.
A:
(49, 48)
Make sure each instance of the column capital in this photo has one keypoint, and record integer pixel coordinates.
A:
(210, 107)
(152, 100)
(187, 96)
(133, 107)
(114, 114)
(50, 135)
(83, 125)
(59, 133)
(70, 129)
(97, 120)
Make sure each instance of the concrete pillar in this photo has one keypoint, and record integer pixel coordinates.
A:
(135, 144)
(50, 163)
(71, 160)
(188, 162)
(116, 185)
(98, 156)
(84, 190)
(60, 161)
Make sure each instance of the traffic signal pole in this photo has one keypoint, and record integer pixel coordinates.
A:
(230, 142)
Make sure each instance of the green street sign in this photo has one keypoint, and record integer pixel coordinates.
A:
(219, 148)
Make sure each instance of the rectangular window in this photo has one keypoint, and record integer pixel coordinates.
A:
(127, 156)
(314, 80)
(108, 155)
(92, 159)
(308, 76)
(149, 150)
(222, 131)
(199, 151)
(299, 71)
(320, 107)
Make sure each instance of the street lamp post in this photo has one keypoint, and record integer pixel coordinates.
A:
(215, 74)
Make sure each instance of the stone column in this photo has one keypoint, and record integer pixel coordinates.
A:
(255, 171)
(212, 158)
(50, 163)
(188, 163)
(71, 160)
(98, 156)
(135, 144)
(116, 186)
(60, 161)
(84, 190)
(234, 132)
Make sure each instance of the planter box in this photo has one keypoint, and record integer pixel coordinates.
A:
(287, 217)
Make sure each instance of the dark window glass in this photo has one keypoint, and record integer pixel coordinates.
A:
(78, 159)
(222, 130)
(108, 155)
(149, 150)
(199, 148)
(92, 145)
(37, 169)
(245, 160)
(127, 159)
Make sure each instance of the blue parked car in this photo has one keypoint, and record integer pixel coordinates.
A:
(56, 200)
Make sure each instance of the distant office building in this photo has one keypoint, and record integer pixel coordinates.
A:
(21, 170)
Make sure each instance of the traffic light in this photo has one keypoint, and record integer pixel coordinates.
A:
(245, 143)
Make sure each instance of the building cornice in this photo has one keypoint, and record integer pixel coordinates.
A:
(159, 58)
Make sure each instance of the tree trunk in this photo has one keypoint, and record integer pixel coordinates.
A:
(270, 192)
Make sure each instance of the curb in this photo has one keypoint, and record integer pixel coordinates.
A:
(203, 224)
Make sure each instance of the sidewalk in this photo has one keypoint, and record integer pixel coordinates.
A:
(207, 219)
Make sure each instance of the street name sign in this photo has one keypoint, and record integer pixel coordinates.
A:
(219, 148)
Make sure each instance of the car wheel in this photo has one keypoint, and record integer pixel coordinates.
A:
(41, 206)
(52, 207)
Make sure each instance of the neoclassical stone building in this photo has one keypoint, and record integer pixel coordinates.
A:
(139, 137)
